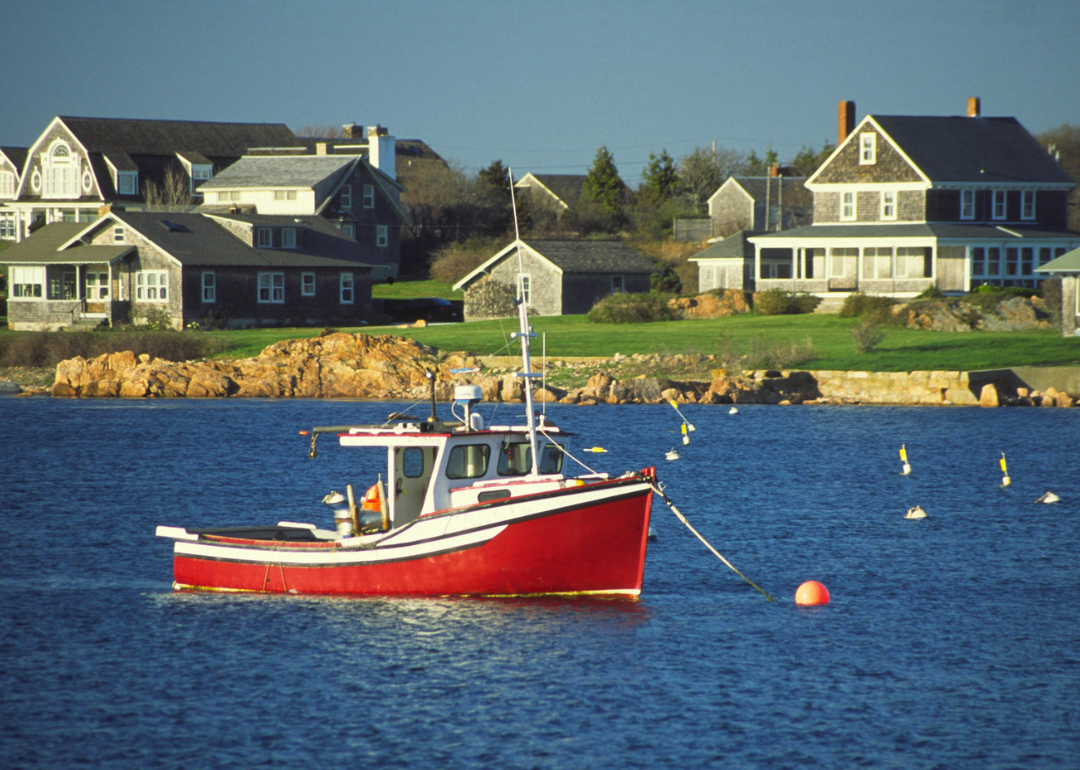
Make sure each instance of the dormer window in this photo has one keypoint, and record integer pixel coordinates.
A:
(264, 237)
(288, 238)
(200, 174)
(61, 172)
(7, 184)
(999, 204)
(967, 204)
(1027, 204)
(867, 149)
(127, 183)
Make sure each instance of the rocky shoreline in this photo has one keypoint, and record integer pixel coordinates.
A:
(342, 365)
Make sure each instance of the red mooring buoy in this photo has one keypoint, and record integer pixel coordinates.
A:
(810, 593)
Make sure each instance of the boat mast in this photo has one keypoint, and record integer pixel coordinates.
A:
(524, 334)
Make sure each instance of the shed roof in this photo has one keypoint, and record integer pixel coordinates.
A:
(43, 248)
(735, 246)
(1069, 262)
(280, 171)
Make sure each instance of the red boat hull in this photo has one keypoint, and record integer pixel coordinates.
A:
(595, 548)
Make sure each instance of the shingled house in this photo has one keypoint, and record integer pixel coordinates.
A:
(554, 193)
(187, 268)
(12, 160)
(909, 202)
(727, 264)
(558, 277)
(1067, 268)
(761, 203)
(357, 197)
(79, 164)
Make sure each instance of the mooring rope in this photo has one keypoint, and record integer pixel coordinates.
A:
(718, 555)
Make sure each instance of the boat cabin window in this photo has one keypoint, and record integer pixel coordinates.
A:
(551, 457)
(412, 462)
(514, 459)
(467, 461)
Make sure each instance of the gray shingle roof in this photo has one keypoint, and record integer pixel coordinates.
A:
(757, 186)
(17, 155)
(567, 187)
(165, 137)
(41, 248)
(195, 239)
(980, 150)
(1069, 262)
(592, 256)
(280, 171)
(919, 230)
(734, 246)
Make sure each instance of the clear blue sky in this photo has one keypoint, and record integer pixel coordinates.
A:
(541, 85)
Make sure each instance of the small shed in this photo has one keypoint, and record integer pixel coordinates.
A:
(1067, 267)
(727, 264)
(558, 277)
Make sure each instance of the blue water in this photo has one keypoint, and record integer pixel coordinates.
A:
(952, 642)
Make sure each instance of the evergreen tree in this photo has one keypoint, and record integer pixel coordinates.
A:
(497, 175)
(603, 185)
(660, 181)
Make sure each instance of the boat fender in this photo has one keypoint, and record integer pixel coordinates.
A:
(372, 499)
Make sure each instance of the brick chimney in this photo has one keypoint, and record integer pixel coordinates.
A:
(974, 107)
(845, 122)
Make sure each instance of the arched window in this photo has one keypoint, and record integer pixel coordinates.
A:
(61, 172)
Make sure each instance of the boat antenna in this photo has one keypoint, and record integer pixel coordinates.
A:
(525, 332)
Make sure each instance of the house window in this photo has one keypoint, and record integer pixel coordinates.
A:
(209, 286)
(967, 204)
(999, 204)
(272, 288)
(200, 174)
(348, 228)
(27, 282)
(288, 238)
(61, 172)
(265, 237)
(993, 261)
(7, 184)
(978, 261)
(152, 286)
(867, 149)
(877, 263)
(617, 286)
(524, 289)
(1044, 255)
(1012, 261)
(381, 235)
(118, 234)
(7, 224)
(228, 195)
(1027, 204)
(847, 206)
(97, 286)
(888, 204)
(127, 183)
(1027, 261)
(346, 288)
(284, 195)
(307, 284)
(842, 262)
(346, 197)
(369, 196)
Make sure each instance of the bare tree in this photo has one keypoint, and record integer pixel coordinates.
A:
(321, 131)
(174, 192)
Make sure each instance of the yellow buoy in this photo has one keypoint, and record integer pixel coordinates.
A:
(596, 449)
(903, 458)
(1005, 480)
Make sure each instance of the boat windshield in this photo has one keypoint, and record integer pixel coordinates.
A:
(515, 459)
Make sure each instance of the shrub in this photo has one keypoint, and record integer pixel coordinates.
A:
(858, 305)
(757, 353)
(1050, 288)
(867, 334)
(40, 349)
(780, 302)
(665, 281)
(989, 297)
(631, 309)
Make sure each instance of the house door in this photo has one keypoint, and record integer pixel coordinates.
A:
(96, 291)
(843, 269)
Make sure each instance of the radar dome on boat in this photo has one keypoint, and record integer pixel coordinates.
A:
(469, 394)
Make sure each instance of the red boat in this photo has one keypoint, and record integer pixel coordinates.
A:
(468, 510)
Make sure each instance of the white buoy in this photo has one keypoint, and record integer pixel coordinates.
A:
(672, 454)
(733, 410)
(1048, 498)
(915, 513)
(906, 470)
(1005, 480)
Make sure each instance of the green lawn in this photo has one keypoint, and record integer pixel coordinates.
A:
(413, 289)
(828, 336)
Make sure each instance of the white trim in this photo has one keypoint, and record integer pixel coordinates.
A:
(304, 276)
(275, 294)
(208, 291)
(288, 237)
(886, 204)
(854, 215)
(484, 268)
(869, 119)
(346, 284)
(1025, 196)
(994, 205)
(971, 214)
(382, 236)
